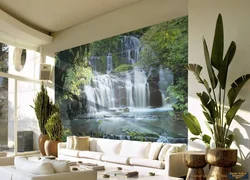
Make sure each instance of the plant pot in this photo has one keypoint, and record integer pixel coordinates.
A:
(221, 160)
(51, 148)
(41, 140)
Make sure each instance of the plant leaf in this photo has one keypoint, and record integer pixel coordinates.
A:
(233, 110)
(192, 124)
(236, 86)
(229, 140)
(210, 120)
(222, 76)
(196, 70)
(218, 44)
(208, 126)
(206, 139)
(208, 103)
(207, 85)
(194, 138)
(210, 70)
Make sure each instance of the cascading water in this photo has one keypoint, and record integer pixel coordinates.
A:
(109, 63)
(129, 92)
(166, 79)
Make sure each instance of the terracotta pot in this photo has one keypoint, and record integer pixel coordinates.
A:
(41, 140)
(221, 160)
(51, 148)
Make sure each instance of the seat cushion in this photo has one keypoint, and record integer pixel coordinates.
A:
(115, 159)
(154, 150)
(60, 166)
(135, 149)
(37, 168)
(69, 152)
(147, 163)
(108, 146)
(90, 155)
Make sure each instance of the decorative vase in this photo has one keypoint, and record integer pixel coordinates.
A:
(221, 160)
(41, 140)
(51, 148)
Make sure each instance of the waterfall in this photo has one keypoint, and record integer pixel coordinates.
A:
(165, 80)
(141, 88)
(109, 63)
(132, 47)
(129, 92)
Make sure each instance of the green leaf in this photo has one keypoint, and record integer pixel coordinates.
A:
(229, 140)
(192, 124)
(207, 86)
(210, 120)
(218, 44)
(194, 138)
(210, 70)
(233, 110)
(196, 70)
(208, 103)
(236, 86)
(206, 139)
(208, 126)
(222, 76)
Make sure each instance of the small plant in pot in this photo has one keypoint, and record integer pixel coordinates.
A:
(219, 116)
(44, 108)
(55, 132)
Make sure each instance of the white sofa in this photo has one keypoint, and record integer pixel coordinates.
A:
(129, 155)
(23, 169)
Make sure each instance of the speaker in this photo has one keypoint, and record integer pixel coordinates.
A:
(45, 71)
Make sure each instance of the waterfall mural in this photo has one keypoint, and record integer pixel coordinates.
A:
(131, 86)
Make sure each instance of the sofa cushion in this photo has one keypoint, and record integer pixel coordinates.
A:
(37, 168)
(154, 150)
(115, 159)
(92, 144)
(90, 155)
(69, 152)
(70, 142)
(135, 149)
(81, 143)
(147, 163)
(108, 146)
(60, 166)
(166, 149)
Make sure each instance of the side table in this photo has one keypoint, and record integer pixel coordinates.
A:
(195, 161)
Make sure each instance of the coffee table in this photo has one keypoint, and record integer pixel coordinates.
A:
(142, 175)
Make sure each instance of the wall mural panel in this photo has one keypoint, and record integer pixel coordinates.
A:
(131, 86)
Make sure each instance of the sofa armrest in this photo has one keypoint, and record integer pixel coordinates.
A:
(7, 161)
(76, 175)
(174, 165)
(60, 146)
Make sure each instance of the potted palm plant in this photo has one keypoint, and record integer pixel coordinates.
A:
(43, 107)
(218, 114)
(55, 132)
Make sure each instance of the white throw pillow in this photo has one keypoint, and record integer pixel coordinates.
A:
(60, 166)
(70, 142)
(37, 168)
(108, 146)
(154, 150)
(81, 143)
(163, 152)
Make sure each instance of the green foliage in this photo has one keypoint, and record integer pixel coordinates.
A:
(66, 132)
(43, 107)
(139, 136)
(123, 67)
(166, 45)
(218, 120)
(54, 127)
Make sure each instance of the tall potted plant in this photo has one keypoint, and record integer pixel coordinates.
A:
(55, 132)
(218, 114)
(43, 107)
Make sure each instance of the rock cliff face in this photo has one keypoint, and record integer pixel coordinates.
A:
(3, 112)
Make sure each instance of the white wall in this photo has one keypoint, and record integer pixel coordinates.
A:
(202, 19)
(137, 15)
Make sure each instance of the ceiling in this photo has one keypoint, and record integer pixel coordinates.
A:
(56, 15)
